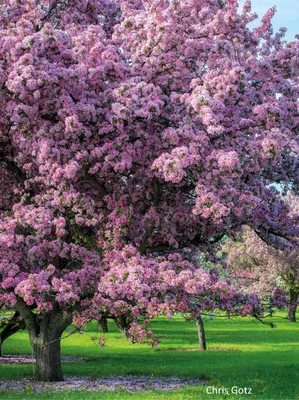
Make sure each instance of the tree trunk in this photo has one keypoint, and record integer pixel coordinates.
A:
(103, 324)
(293, 305)
(48, 362)
(45, 332)
(201, 333)
(47, 346)
(123, 324)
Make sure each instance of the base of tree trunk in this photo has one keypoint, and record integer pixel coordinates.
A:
(45, 336)
(48, 362)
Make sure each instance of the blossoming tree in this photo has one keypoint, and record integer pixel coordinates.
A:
(155, 124)
(266, 270)
(137, 288)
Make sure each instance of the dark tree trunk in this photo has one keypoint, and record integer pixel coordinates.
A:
(201, 333)
(48, 362)
(293, 305)
(123, 324)
(45, 332)
(103, 324)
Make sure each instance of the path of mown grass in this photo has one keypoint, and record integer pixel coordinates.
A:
(242, 353)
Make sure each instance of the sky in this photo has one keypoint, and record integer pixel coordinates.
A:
(287, 14)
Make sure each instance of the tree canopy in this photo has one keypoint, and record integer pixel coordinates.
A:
(159, 125)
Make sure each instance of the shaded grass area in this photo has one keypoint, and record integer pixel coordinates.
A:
(242, 353)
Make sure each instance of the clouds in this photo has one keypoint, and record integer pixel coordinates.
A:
(286, 16)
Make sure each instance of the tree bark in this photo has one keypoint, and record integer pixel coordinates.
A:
(103, 324)
(48, 361)
(293, 305)
(201, 333)
(123, 324)
(45, 332)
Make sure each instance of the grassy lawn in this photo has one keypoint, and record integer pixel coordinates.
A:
(241, 353)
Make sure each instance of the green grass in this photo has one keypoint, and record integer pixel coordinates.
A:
(241, 352)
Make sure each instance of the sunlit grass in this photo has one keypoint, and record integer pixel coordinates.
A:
(242, 353)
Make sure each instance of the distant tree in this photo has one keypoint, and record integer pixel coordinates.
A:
(137, 289)
(267, 267)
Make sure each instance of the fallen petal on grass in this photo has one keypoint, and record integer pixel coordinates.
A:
(108, 384)
(26, 359)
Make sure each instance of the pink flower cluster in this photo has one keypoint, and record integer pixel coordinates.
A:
(172, 166)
